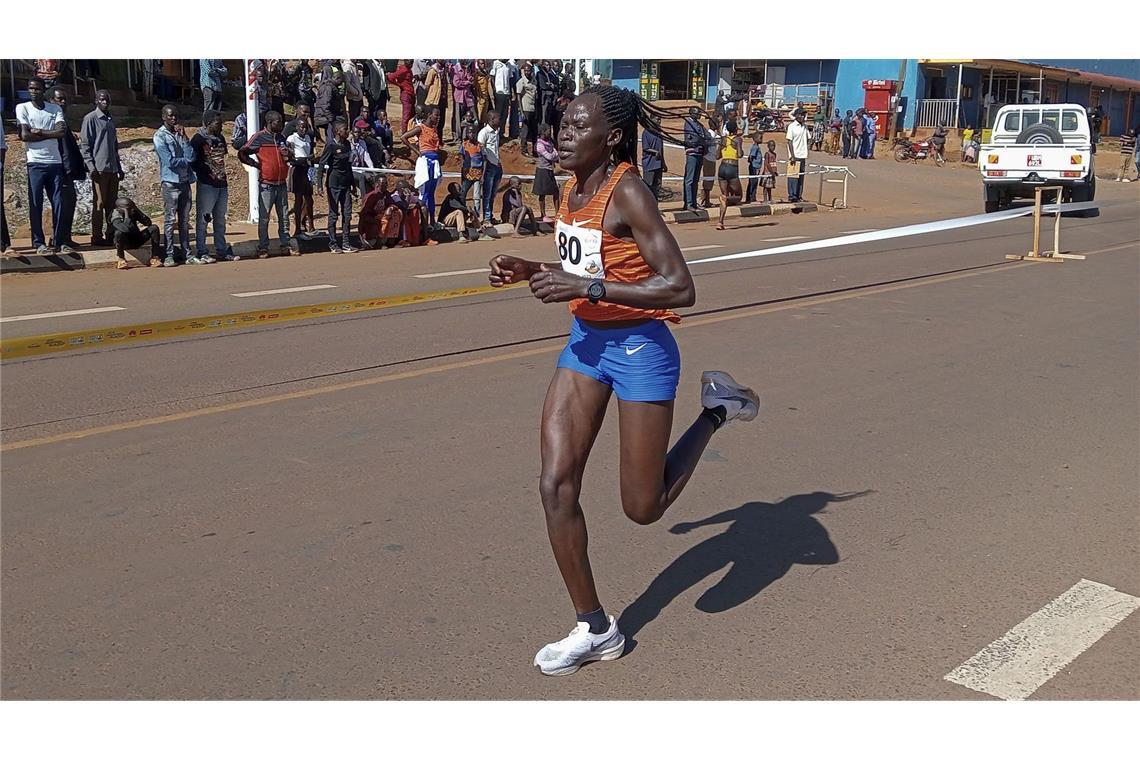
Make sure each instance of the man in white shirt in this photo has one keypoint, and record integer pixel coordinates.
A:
(492, 166)
(797, 137)
(501, 76)
(41, 127)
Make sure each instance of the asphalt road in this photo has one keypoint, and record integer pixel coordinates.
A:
(348, 508)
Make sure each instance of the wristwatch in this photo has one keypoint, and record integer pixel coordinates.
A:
(596, 291)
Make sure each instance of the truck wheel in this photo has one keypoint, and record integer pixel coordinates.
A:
(1083, 193)
(991, 199)
(1040, 134)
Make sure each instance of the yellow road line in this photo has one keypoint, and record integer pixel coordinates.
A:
(38, 345)
(310, 392)
(364, 382)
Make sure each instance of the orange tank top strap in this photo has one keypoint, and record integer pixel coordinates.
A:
(586, 249)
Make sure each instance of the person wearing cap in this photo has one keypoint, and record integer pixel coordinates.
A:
(797, 137)
(368, 153)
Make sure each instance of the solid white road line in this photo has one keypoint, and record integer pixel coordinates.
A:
(781, 240)
(1035, 650)
(281, 290)
(700, 248)
(449, 274)
(897, 232)
(51, 314)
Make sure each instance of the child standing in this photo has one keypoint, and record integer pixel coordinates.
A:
(472, 167)
(544, 182)
(771, 169)
(429, 158)
(755, 167)
(301, 143)
(339, 188)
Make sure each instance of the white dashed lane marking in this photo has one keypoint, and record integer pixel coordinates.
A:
(449, 274)
(1039, 647)
(853, 232)
(50, 314)
(783, 239)
(301, 289)
(700, 248)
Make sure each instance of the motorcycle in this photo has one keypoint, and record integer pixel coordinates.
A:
(905, 150)
(767, 121)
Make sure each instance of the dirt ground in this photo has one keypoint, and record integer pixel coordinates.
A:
(142, 183)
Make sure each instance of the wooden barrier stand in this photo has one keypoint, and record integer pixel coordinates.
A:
(1054, 255)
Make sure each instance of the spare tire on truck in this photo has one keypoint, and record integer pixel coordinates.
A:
(1040, 134)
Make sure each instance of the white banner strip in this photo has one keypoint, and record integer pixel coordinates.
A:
(897, 232)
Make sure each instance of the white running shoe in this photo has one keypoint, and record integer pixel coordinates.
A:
(565, 657)
(739, 401)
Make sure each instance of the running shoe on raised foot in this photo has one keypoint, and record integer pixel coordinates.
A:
(739, 401)
(565, 657)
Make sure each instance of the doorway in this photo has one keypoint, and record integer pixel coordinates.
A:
(674, 80)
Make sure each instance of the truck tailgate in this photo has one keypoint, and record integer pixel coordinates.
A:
(1046, 161)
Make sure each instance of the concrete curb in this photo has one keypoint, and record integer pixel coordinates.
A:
(31, 262)
(104, 258)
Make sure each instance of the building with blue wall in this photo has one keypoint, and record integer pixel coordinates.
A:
(962, 92)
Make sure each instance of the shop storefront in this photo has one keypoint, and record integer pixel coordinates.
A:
(679, 79)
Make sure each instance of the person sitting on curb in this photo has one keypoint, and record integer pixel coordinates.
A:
(379, 221)
(455, 213)
(412, 228)
(125, 221)
(514, 210)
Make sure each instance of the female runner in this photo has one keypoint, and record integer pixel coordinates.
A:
(728, 176)
(622, 272)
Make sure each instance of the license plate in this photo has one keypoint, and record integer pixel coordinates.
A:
(1033, 160)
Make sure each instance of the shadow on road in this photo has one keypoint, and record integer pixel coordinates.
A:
(762, 542)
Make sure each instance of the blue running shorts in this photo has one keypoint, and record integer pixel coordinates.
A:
(641, 363)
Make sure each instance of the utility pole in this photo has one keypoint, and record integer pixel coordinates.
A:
(894, 128)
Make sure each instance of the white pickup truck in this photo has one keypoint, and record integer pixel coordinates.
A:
(1034, 145)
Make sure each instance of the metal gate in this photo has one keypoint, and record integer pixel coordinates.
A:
(933, 112)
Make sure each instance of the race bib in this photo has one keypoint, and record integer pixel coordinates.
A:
(580, 250)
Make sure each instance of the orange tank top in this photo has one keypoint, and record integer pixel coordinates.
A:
(586, 249)
(429, 139)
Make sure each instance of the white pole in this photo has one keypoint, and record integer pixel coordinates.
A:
(251, 114)
(958, 104)
(1017, 89)
(577, 76)
(1040, 85)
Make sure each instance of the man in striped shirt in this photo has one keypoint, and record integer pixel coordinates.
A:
(1128, 155)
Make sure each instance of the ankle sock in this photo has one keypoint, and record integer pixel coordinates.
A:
(597, 619)
(717, 415)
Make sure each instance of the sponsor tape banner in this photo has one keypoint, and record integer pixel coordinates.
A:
(37, 345)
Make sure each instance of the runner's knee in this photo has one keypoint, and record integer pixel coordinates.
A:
(559, 489)
(642, 509)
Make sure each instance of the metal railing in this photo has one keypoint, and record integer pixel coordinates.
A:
(933, 112)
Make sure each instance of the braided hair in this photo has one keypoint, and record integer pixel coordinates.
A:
(625, 110)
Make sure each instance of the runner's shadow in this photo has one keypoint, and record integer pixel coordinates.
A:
(762, 542)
